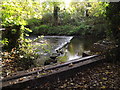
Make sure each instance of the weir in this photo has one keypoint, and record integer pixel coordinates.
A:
(64, 48)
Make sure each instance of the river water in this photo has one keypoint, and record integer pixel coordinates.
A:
(74, 49)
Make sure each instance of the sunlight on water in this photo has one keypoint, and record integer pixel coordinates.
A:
(74, 57)
(73, 50)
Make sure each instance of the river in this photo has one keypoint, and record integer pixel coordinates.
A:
(74, 49)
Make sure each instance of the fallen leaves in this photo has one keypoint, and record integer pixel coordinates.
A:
(99, 76)
(104, 78)
(70, 65)
(103, 87)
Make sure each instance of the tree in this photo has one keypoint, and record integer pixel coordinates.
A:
(14, 15)
(56, 9)
(113, 14)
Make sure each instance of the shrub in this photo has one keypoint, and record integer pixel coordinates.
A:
(33, 22)
(42, 29)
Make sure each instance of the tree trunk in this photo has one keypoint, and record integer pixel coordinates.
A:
(56, 9)
(12, 37)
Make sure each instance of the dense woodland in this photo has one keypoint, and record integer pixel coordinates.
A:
(30, 17)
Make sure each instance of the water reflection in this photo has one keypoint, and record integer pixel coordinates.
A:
(72, 51)
(76, 47)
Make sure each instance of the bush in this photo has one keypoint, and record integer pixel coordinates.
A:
(61, 30)
(33, 22)
(42, 29)
(93, 26)
(47, 18)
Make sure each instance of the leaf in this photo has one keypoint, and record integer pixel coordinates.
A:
(28, 29)
(43, 73)
(103, 87)
(104, 78)
(26, 34)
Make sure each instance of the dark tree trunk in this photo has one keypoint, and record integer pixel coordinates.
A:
(113, 13)
(56, 9)
(87, 13)
(12, 34)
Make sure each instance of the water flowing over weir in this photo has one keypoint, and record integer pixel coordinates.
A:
(63, 48)
(53, 44)
(58, 42)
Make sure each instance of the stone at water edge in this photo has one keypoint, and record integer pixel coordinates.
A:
(85, 54)
(49, 61)
(54, 55)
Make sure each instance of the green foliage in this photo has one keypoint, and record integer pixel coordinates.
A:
(26, 49)
(61, 30)
(12, 14)
(42, 29)
(77, 9)
(98, 9)
(16, 13)
(33, 22)
(4, 41)
(14, 21)
(17, 16)
(71, 19)
(47, 18)
(39, 17)
(90, 26)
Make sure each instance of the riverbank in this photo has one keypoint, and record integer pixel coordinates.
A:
(87, 26)
(70, 30)
(104, 75)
